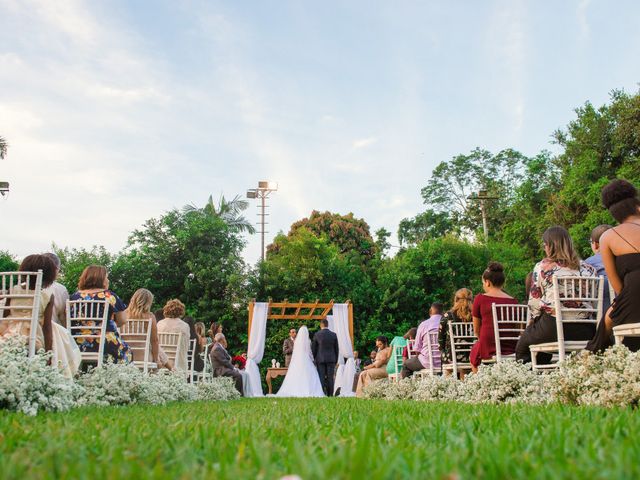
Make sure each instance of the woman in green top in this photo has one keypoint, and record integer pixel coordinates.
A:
(397, 345)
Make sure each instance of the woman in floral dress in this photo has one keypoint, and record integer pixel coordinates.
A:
(94, 285)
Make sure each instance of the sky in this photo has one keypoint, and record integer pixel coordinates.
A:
(118, 111)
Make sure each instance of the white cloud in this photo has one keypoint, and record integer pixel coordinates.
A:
(363, 142)
(582, 11)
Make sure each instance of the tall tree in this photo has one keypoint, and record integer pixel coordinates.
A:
(228, 210)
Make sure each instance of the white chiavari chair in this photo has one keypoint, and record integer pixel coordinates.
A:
(578, 300)
(20, 298)
(461, 338)
(509, 321)
(87, 320)
(137, 334)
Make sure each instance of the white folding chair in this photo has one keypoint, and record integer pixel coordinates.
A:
(87, 320)
(571, 293)
(20, 296)
(171, 344)
(207, 371)
(137, 334)
(191, 356)
(433, 352)
(396, 358)
(509, 321)
(462, 338)
(626, 330)
(410, 351)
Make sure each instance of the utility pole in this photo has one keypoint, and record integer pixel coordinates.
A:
(482, 196)
(263, 191)
(4, 186)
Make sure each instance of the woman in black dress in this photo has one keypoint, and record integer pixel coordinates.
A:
(620, 247)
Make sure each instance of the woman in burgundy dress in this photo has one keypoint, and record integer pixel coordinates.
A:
(493, 279)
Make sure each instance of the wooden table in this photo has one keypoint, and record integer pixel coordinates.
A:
(273, 373)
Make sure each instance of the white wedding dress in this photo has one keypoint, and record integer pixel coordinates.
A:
(302, 379)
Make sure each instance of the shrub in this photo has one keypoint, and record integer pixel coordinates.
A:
(432, 388)
(111, 384)
(219, 388)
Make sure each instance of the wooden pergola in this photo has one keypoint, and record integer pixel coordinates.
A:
(300, 311)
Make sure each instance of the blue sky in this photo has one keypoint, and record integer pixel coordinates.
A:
(117, 111)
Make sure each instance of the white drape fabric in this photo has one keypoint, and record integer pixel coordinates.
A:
(346, 370)
(256, 349)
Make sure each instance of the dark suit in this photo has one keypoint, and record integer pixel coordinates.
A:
(325, 354)
(287, 349)
(222, 366)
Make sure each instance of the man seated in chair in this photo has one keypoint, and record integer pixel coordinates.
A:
(221, 362)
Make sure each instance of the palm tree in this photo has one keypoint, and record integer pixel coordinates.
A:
(227, 210)
(3, 147)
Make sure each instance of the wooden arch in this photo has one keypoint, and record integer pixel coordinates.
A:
(300, 311)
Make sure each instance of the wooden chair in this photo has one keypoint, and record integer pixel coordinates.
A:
(433, 352)
(20, 297)
(509, 321)
(137, 334)
(568, 293)
(171, 344)
(622, 331)
(396, 358)
(207, 371)
(462, 338)
(87, 320)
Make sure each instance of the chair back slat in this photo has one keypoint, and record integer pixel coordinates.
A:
(462, 338)
(170, 343)
(87, 320)
(509, 321)
(191, 358)
(577, 300)
(20, 298)
(137, 334)
(433, 351)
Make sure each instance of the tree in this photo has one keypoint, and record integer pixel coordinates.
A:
(425, 225)
(8, 262)
(228, 211)
(74, 260)
(452, 183)
(599, 145)
(351, 235)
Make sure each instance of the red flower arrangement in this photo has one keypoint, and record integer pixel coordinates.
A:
(239, 361)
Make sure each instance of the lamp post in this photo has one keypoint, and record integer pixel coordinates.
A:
(263, 191)
(482, 196)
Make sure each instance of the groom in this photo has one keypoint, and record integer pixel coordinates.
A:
(325, 355)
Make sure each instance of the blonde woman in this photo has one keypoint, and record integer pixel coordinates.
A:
(140, 309)
(561, 260)
(460, 312)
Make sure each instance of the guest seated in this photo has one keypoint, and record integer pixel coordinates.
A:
(620, 249)
(94, 285)
(371, 359)
(395, 364)
(140, 309)
(172, 323)
(460, 312)
(377, 369)
(202, 345)
(422, 360)
(356, 360)
(59, 293)
(221, 362)
(493, 279)
(49, 335)
(561, 260)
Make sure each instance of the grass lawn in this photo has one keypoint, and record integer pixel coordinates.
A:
(322, 438)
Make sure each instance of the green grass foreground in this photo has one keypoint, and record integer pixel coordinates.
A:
(322, 438)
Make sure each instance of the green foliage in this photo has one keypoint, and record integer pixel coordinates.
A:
(8, 262)
(351, 235)
(74, 260)
(193, 257)
(425, 225)
(323, 438)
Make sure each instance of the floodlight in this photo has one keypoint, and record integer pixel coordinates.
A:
(272, 185)
(251, 194)
(263, 184)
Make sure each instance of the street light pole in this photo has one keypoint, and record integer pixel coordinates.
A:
(263, 191)
(482, 196)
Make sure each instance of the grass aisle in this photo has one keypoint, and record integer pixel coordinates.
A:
(316, 438)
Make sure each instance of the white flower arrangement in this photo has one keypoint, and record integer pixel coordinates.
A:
(219, 388)
(29, 385)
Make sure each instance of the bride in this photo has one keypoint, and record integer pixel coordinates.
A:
(302, 378)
